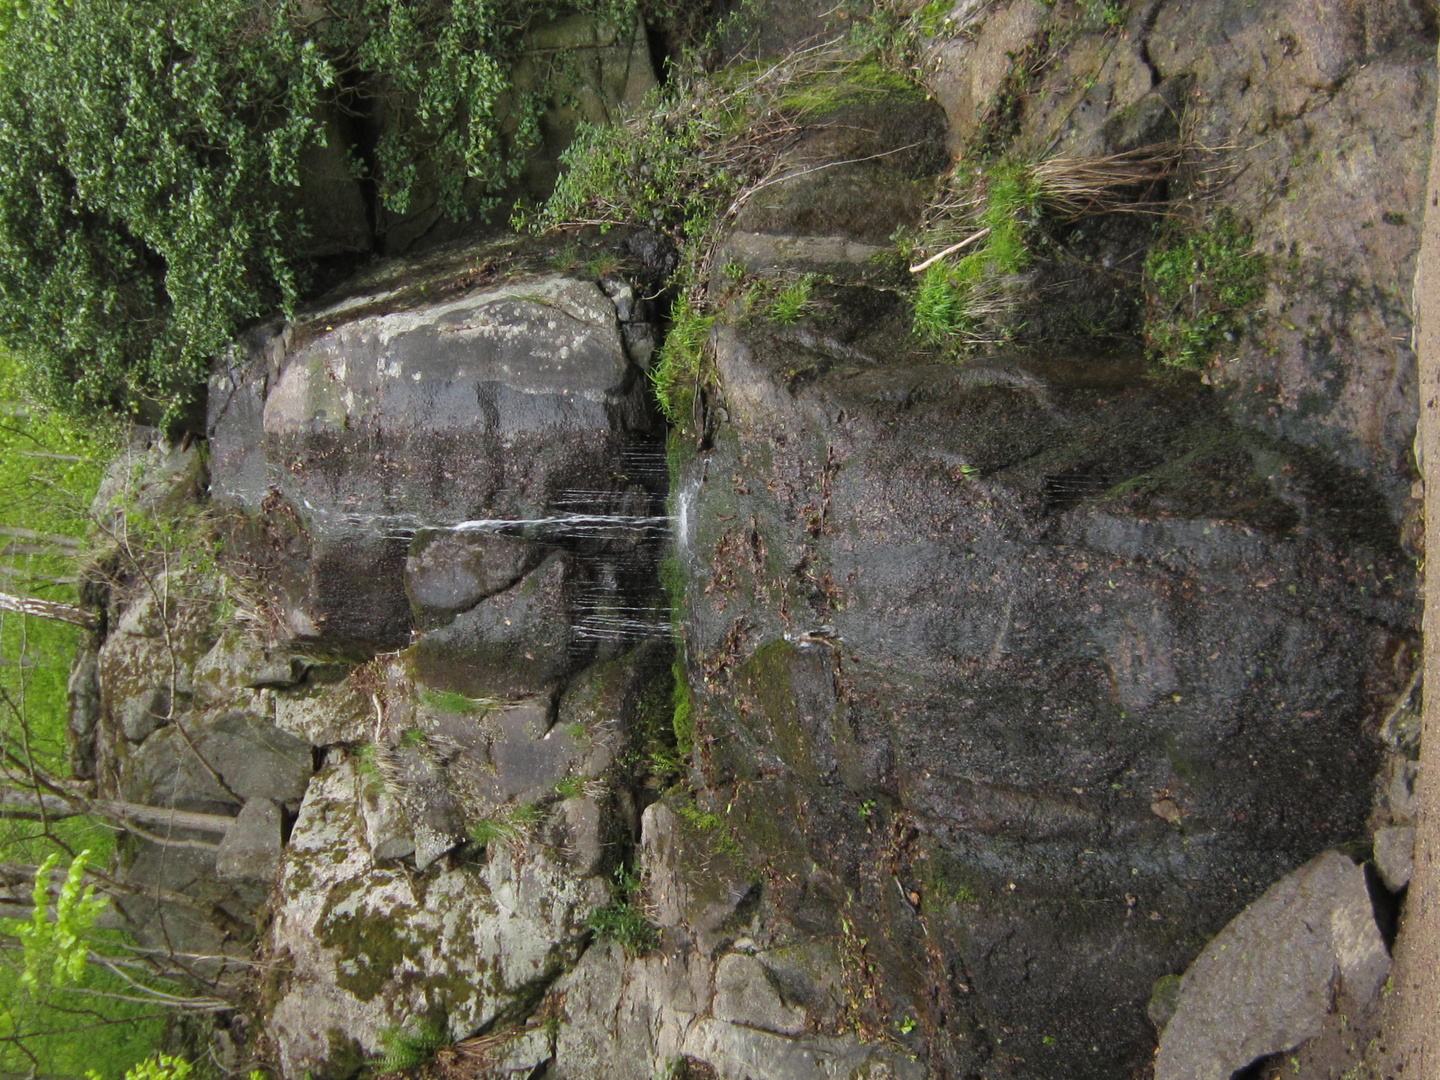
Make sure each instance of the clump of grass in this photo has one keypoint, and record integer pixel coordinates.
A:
(791, 302)
(1199, 282)
(684, 164)
(984, 226)
(410, 1047)
(509, 826)
(450, 701)
(571, 787)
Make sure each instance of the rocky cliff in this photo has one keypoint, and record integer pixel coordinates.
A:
(895, 717)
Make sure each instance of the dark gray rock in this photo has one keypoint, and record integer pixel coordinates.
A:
(1266, 982)
(250, 851)
(1395, 855)
(746, 994)
(257, 759)
(252, 758)
(515, 643)
(144, 713)
(448, 572)
(884, 152)
(83, 708)
(429, 395)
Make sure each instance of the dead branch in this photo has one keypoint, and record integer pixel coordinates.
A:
(48, 609)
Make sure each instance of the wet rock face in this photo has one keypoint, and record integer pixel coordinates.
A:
(432, 395)
(1037, 664)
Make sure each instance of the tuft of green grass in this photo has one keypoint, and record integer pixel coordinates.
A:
(626, 924)
(570, 787)
(1200, 282)
(449, 701)
(953, 299)
(510, 825)
(791, 302)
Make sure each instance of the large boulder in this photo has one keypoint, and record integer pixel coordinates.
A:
(455, 400)
(1267, 981)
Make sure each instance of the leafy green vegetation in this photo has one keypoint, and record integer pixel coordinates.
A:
(680, 368)
(1199, 283)
(408, 1047)
(61, 1012)
(683, 164)
(150, 189)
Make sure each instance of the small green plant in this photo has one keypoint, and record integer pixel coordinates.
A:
(408, 1047)
(412, 737)
(1107, 13)
(906, 1026)
(570, 787)
(622, 920)
(866, 809)
(790, 302)
(367, 758)
(930, 18)
(1199, 283)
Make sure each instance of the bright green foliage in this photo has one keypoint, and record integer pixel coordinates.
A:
(153, 157)
(409, 1047)
(159, 1067)
(678, 372)
(55, 950)
(68, 1013)
(1198, 284)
